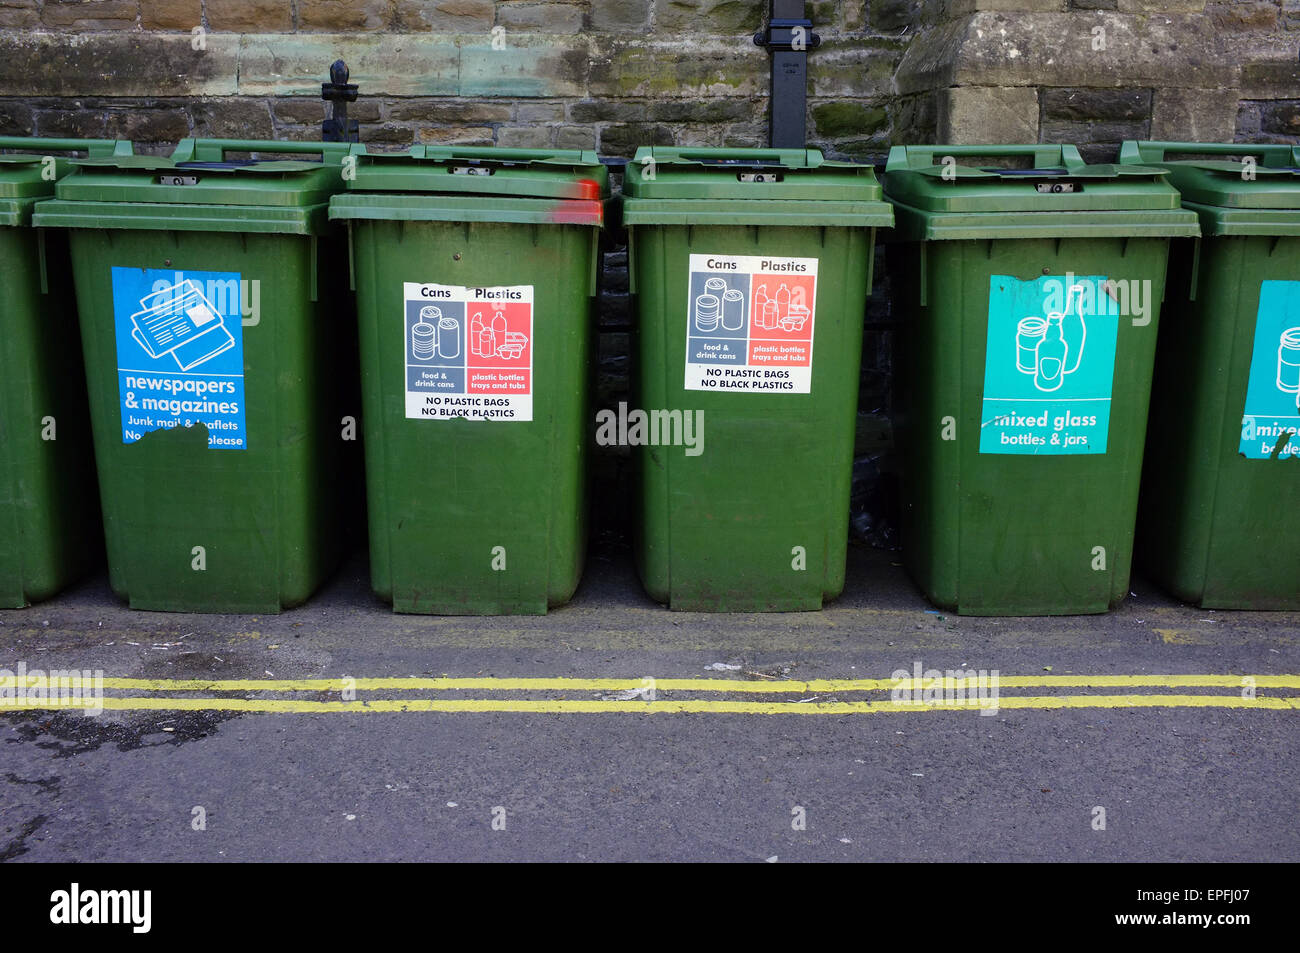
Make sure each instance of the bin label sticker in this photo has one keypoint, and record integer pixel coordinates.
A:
(180, 353)
(1270, 420)
(469, 352)
(1049, 366)
(749, 324)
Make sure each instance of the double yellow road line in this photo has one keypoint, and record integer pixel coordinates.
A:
(616, 695)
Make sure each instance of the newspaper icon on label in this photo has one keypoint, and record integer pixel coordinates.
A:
(179, 320)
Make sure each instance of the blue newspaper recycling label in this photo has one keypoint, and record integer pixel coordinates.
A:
(1271, 416)
(180, 353)
(1050, 365)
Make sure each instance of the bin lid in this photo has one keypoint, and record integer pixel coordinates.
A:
(202, 187)
(665, 185)
(26, 176)
(964, 192)
(475, 184)
(1235, 188)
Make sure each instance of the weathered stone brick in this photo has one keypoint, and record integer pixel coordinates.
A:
(1290, 14)
(387, 133)
(1243, 16)
(836, 120)
(916, 118)
(1079, 133)
(620, 16)
(524, 137)
(1161, 6)
(231, 117)
(698, 137)
(139, 124)
(444, 112)
(709, 17)
(305, 109)
(1096, 153)
(575, 137)
(295, 65)
(1281, 117)
(249, 16)
(1196, 115)
(988, 114)
(16, 119)
(1093, 103)
(19, 15)
(745, 136)
(1273, 80)
(608, 110)
(171, 14)
(623, 140)
(446, 16)
(659, 68)
(703, 111)
(890, 16)
(457, 135)
(71, 120)
(539, 112)
(530, 66)
(870, 147)
(151, 64)
(853, 68)
(1247, 122)
(340, 16)
(540, 17)
(90, 14)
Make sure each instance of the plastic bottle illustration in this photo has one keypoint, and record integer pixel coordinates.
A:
(1052, 355)
(498, 333)
(476, 334)
(487, 346)
(1073, 328)
(448, 336)
(760, 302)
(782, 302)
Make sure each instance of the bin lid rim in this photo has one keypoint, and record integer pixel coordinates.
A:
(163, 164)
(791, 159)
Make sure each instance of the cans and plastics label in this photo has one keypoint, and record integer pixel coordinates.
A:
(180, 353)
(749, 324)
(469, 352)
(1271, 416)
(1050, 365)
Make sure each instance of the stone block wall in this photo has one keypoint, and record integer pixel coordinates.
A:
(594, 74)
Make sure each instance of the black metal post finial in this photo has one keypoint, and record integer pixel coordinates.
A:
(339, 92)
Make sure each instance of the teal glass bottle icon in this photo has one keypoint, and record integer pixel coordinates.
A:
(1073, 328)
(1052, 355)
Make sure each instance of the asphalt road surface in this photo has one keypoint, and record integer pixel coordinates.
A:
(1158, 732)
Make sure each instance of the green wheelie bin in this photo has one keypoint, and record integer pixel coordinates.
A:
(1219, 521)
(750, 270)
(475, 272)
(212, 335)
(1029, 286)
(50, 531)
